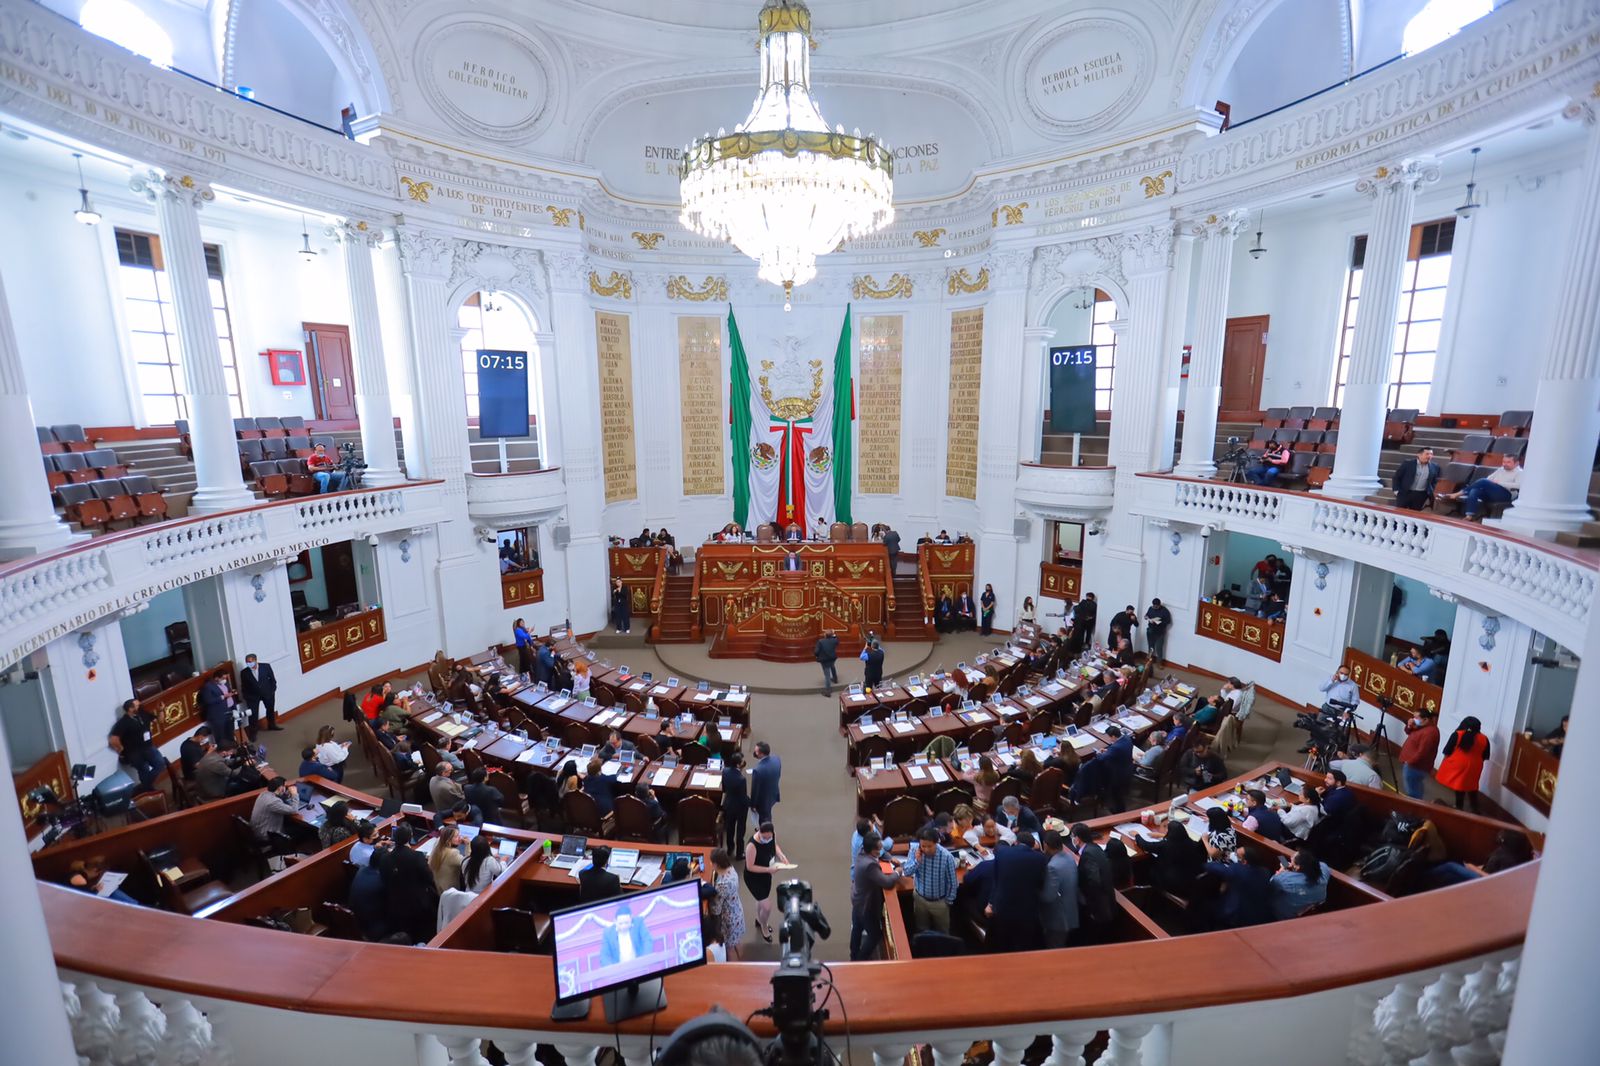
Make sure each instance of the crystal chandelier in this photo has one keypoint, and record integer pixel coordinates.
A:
(781, 187)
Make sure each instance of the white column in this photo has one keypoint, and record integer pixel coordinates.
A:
(998, 452)
(30, 992)
(1553, 1018)
(1566, 409)
(1172, 350)
(28, 521)
(372, 377)
(220, 484)
(1035, 372)
(1215, 234)
(1392, 190)
(577, 394)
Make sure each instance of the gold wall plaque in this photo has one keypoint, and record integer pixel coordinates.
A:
(966, 367)
(715, 288)
(618, 285)
(614, 351)
(648, 241)
(878, 428)
(866, 287)
(700, 403)
(960, 282)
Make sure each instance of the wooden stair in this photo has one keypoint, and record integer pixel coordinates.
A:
(906, 621)
(1587, 537)
(676, 623)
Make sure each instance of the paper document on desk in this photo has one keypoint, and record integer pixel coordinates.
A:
(857, 698)
(452, 729)
(940, 774)
(737, 697)
(610, 767)
(429, 719)
(109, 882)
(1136, 721)
(916, 773)
(646, 872)
(1205, 803)
(1036, 700)
(558, 703)
(1081, 741)
(903, 727)
(661, 777)
(705, 780)
(871, 728)
(531, 754)
(917, 691)
(699, 697)
(1173, 702)
(729, 733)
(1137, 829)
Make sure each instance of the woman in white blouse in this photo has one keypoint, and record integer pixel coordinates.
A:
(331, 752)
(482, 866)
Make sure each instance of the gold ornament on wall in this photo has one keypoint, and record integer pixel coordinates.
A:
(1155, 186)
(960, 282)
(562, 216)
(715, 288)
(648, 241)
(1013, 212)
(417, 190)
(866, 287)
(618, 285)
(928, 238)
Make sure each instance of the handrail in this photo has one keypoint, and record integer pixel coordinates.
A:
(482, 990)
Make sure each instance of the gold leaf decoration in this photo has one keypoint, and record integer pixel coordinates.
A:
(417, 190)
(648, 241)
(1013, 212)
(715, 288)
(562, 216)
(619, 285)
(1155, 186)
(866, 287)
(929, 238)
(960, 282)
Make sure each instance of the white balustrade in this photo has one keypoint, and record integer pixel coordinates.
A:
(348, 509)
(1533, 581)
(26, 594)
(204, 538)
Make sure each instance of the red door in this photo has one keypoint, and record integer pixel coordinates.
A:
(1244, 356)
(333, 387)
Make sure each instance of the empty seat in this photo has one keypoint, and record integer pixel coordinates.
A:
(1302, 412)
(269, 480)
(1509, 446)
(270, 427)
(1330, 442)
(1321, 470)
(1279, 413)
(1514, 424)
(1454, 476)
(250, 452)
(300, 444)
(72, 436)
(75, 467)
(293, 424)
(47, 441)
(1299, 463)
(121, 505)
(83, 508)
(144, 492)
(181, 425)
(1306, 440)
(275, 448)
(301, 483)
(1329, 413)
(1473, 445)
(105, 460)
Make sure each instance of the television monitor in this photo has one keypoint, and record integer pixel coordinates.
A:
(620, 948)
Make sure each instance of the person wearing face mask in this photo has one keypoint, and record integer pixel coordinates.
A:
(1097, 893)
(1339, 692)
(758, 858)
(1419, 752)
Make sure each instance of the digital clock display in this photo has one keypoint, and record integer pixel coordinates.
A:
(495, 360)
(1072, 374)
(502, 393)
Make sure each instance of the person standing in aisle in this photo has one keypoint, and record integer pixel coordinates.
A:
(827, 656)
(1157, 621)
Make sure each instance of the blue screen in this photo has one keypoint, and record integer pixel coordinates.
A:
(502, 393)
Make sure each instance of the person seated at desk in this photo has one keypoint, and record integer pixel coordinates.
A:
(1301, 817)
(1201, 767)
(1437, 646)
(401, 751)
(1337, 797)
(983, 779)
(595, 881)
(443, 788)
(1429, 668)
(942, 824)
(1027, 767)
(988, 829)
(962, 821)
(85, 876)
(1207, 714)
(482, 865)
(192, 750)
(272, 812)
(1360, 766)
(1220, 835)
(462, 813)
(1157, 747)
(1065, 757)
(369, 899)
(309, 766)
(1179, 859)
(372, 702)
(1302, 883)
(1259, 818)
(601, 786)
(213, 772)
(366, 842)
(1554, 740)
(1273, 607)
(1017, 816)
(1511, 849)
(1265, 470)
(337, 825)
(942, 538)
(1181, 724)
(1246, 897)
(482, 795)
(384, 732)
(330, 752)
(445, 860)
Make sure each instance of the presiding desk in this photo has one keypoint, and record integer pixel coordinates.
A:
(760, 610)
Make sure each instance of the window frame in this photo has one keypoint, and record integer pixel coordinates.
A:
(1109, 366)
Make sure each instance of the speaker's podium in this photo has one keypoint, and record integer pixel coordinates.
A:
(780, 617)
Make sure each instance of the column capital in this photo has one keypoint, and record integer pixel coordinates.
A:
(1147, 250)
(154, 185)
(1584, 109)
(352, 231)
(1038, 334)
(1222, 224)
(425, 254)
(1408, 173)
(1010, 267)
(569, 271)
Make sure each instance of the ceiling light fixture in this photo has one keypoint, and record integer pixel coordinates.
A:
(307, 252)
(85, 212)
(1256, 250)
(782, 188)
(1465, 210)
(1083, 299)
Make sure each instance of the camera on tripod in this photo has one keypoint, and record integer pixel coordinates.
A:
(69, 817)
(350, 466)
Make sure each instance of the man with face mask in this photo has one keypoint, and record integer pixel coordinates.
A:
(1341, 693)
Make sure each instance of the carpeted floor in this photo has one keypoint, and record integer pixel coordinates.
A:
(817, 812)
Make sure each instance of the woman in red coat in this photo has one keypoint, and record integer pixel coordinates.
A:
(1464, 755)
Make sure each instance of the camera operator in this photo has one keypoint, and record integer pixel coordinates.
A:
(349, 466)
(322, 467)
(1341, 694)
(1265, 470)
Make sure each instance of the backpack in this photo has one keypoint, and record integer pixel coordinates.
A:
(1378, 867)
(1400, 828)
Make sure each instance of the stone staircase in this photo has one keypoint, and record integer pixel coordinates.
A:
(676, 622)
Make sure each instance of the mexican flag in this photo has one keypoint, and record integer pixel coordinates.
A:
(791, 465)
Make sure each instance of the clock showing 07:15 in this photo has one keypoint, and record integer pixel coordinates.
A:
(493, 360)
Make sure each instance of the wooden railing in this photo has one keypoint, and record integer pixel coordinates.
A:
(945, 569)
(346, 636)
(1240, 629)
(1060, 582)
(520, 588)
(1383, 684)
(639, 570)
(1531, 774)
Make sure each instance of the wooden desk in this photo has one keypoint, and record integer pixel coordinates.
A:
(1531, 774)
(335, 640)
(1240, 629)
(1380, 681)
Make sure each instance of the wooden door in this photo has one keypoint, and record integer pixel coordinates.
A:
(333, 386)
(339, 574)
(1244, 356)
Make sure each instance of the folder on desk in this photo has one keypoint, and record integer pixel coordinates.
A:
(871, 728)
(661, 777)
(737, 697)
(903, 727)
(1081, 741)
(916, 773)
(940, 774)
(1134, 720)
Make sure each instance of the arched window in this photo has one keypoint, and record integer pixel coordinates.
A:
(122, 23)
(1440, 20)
(493, 322)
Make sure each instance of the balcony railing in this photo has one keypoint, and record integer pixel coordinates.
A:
(1546, 585)
(1066, 493)
(47, 596)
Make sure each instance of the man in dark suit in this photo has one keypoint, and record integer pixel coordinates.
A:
(596, 882)
(891, 545)
(792, 561)
(1017, 817)
(259, 687)
(764, 778)
(216, 705)
(1118, 757)
(827, 653)
(1414, 480)
(1013, 909)
(1058, 899)
(1096, 891)
(1083, 615)
(872, 673)
(413, 898)
(626, 941)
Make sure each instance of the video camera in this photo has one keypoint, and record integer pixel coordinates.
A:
(350, 466)
(71, 816)
(1329, 729)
